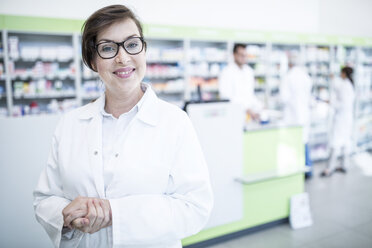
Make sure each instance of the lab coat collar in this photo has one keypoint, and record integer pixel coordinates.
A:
(236, 67)
(147, 107)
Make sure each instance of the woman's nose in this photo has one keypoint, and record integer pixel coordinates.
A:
(122, 56)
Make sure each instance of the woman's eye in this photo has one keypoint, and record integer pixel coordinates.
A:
(132, 45)
(107, 49)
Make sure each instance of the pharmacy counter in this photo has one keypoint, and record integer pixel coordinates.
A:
(256, 194)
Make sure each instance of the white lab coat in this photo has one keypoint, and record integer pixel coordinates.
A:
(237, 85)
(295, 93)
(160, 192)
(342, 103)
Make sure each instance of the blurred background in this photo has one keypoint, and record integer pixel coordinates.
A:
(256, 168)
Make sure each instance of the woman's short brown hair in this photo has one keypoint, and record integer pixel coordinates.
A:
(97, 22)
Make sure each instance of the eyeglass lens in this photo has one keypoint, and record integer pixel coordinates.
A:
(110, 49)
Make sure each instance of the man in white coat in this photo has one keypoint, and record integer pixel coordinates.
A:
(236, 83)
(295, 93)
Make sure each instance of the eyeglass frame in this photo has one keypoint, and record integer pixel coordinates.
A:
(121, 44)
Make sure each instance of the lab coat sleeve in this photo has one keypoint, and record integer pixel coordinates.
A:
(181, 211)
(334, 95)
(255, 105)
(224, 85)
(285, 91)
(49, 202)
(251, 101)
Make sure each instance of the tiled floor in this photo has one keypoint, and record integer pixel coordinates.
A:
(342, 213)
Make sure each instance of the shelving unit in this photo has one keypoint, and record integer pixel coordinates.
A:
(258, 61)
(318, 60)
(277, 69)
(91, 86)
(363, 104)
(42, 73)
(205, 62)
(166, 69)
(3, 95)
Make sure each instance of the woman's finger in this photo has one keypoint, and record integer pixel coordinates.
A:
(80, 223)
(92, 214)
(107, 212)
(73, 216)
(100, 215)
(79, 203)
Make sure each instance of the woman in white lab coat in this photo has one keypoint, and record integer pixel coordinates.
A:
(126, 170)
(342, 102)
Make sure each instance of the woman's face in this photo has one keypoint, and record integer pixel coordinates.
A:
(343, 75)
(124, 72)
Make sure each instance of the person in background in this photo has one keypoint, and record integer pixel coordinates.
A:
(126, 170)
(236, 83)
(295, 94)
(342, 103)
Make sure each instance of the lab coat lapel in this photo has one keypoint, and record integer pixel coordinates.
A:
(91, 114)
(94, 136)
(148, 112)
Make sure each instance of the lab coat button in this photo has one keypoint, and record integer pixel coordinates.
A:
(116, 155)
(95, 152)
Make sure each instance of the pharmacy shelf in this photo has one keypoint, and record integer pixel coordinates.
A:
(205, 61)
(5, 101)
(165, 68)
(41, 70)
(358, 58)
(162, 61)
(313, 141)
(46, 77)
(318, 61)
(91, 86)
(46, 96)
(277, 67)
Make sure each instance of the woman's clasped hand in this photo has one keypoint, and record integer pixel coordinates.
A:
(87, 214)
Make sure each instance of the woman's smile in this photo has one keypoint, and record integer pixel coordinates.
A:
(125, 72)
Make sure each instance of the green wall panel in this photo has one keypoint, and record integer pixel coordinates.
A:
(40, 24)
(44, 24)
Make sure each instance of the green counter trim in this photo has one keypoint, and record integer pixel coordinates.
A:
(46, 24)
(271, 203)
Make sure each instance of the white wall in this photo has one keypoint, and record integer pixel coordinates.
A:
(24, 147)
(348, 17)
(308, 16)
(236, 14)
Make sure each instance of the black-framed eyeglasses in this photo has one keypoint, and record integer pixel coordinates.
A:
(109, 49)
